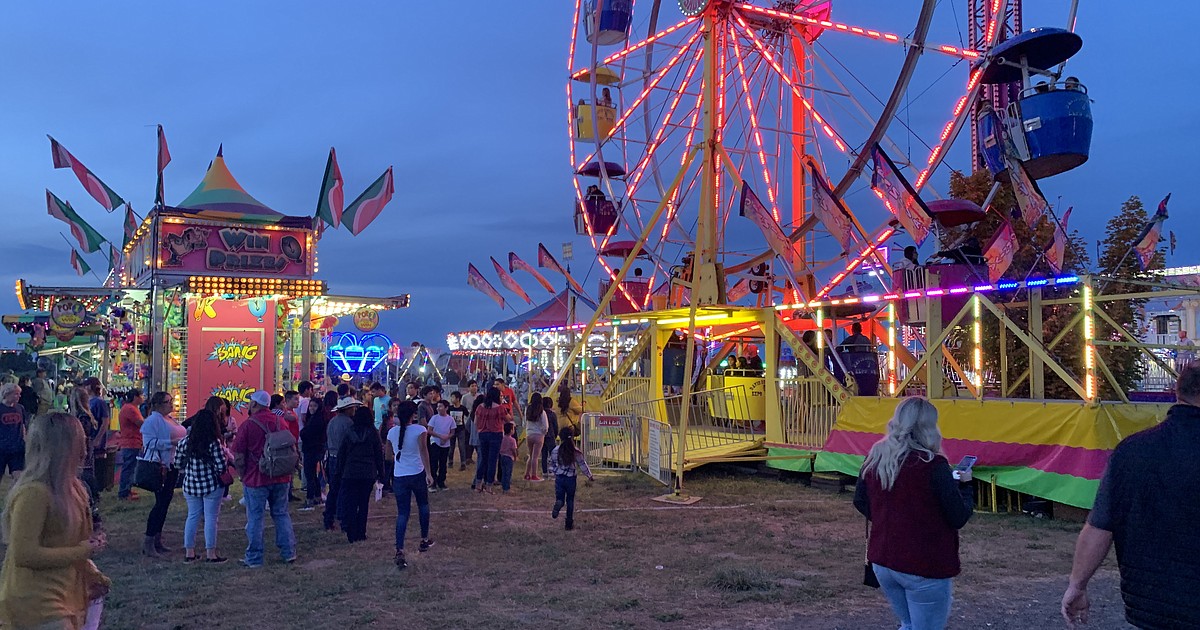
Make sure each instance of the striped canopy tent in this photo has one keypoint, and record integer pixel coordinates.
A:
(219, 196)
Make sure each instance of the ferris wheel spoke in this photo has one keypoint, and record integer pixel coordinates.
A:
(838, 27)
(754, 131)
(839, 142)
(640, 169)
(618, 127)
(961, 110)
(621, 54)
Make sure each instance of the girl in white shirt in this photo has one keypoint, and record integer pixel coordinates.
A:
(411, 474)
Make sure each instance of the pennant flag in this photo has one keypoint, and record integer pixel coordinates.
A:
(1147, 243)
(81, 267)
(114, 258)
(830, 210)
(899, 197)
(333, 198)
(1058, 247)
(369, 204)
(131, 226)
(164, 158)
(546, 259)
(515, 263)
(476, 279)
(999, 253)
(1029, 197)
(96, 188)
(89, 239)
(752, 208)
(510, 282)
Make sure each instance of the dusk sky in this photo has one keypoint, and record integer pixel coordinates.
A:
(466, 101)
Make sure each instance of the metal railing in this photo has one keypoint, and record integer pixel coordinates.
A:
(626, 391)
(716, 417)
(807, 411)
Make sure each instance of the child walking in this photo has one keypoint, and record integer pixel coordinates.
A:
(508, 454)
(563, 462)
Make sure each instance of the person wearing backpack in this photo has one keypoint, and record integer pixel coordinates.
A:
(360, 466)
(266, 457)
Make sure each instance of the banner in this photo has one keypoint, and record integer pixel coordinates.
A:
(515, 263)
(476, 279)
(1029, 197)
(752, 208)
(510, 282)
(999, 253)
(1058, 247)
(830, 210)
(230, 251)
(92, 184)
(1147, 244)
(899, 197)
(546, 259)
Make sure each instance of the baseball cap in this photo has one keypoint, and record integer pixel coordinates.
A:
(261, 397)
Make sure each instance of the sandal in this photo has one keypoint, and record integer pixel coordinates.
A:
(216, 560)
(191, 558)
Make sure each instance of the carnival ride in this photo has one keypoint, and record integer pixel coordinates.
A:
(681, 120)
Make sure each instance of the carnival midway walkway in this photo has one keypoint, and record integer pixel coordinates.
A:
(755, 553)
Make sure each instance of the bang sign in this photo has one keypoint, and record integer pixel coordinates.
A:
(234, 352)
(238, 394)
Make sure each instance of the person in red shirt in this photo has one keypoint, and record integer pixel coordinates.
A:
(129, 441)
(508, 398)
(261, 490)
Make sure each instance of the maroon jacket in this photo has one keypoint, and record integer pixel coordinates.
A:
(248, 448)
(914, 526)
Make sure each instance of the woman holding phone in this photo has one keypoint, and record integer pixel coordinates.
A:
(915, 505)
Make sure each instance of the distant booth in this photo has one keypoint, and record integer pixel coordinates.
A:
(217, 297)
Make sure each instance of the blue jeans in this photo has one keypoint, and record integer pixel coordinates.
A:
(489, 454)
(564, 493)
(257, 499)
(920, 603)
(506, 466)
(401, 487)
(207, 507)
(128, 464)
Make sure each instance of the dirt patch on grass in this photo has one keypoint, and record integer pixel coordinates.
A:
(755, 553)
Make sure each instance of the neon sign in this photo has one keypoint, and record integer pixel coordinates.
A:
(357, 355)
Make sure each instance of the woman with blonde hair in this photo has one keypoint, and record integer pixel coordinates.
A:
(915, 505)
(48, 578)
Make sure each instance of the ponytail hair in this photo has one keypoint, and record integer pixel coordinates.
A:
(566, 447)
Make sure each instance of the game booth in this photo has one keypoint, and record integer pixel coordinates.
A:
(215, 296)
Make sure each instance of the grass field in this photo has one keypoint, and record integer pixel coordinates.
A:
(756, 552)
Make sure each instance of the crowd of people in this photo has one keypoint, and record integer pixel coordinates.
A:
(345, 440)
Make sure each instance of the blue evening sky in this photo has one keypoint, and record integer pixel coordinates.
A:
(466, 100)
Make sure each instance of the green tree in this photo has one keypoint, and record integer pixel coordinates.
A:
(1118, 262)
(1028, 261)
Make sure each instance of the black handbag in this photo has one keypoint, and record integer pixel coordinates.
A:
(869, 578)
(148, 475)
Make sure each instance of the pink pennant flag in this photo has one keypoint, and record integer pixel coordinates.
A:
(96, 188)
(546, 259)
(515, 263)
(1033, 205)
(1147, 244)
(332, 201)
(999, 253)
(476, 279)
(752, 208)
(899, 197)
(510, 282)
(1058, 248)
(830, 211)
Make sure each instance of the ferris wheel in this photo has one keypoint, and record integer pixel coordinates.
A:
(674, 110)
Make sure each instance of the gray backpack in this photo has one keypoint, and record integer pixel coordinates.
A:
(280, 457)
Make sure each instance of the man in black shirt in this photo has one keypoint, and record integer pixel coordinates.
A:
(1149, 504)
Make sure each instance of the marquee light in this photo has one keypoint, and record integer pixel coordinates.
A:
(218, 285)
(1008, 285)
(523, 340)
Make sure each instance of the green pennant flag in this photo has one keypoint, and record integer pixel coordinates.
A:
(332, 201)
(89, 239)
(81, 267)
(131, 226)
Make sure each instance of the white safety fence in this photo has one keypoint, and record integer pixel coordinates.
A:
(627, 443)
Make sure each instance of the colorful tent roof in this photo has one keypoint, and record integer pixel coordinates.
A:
(220, 196)
(553, 312)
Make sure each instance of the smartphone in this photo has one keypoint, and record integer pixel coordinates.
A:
(965, 465)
